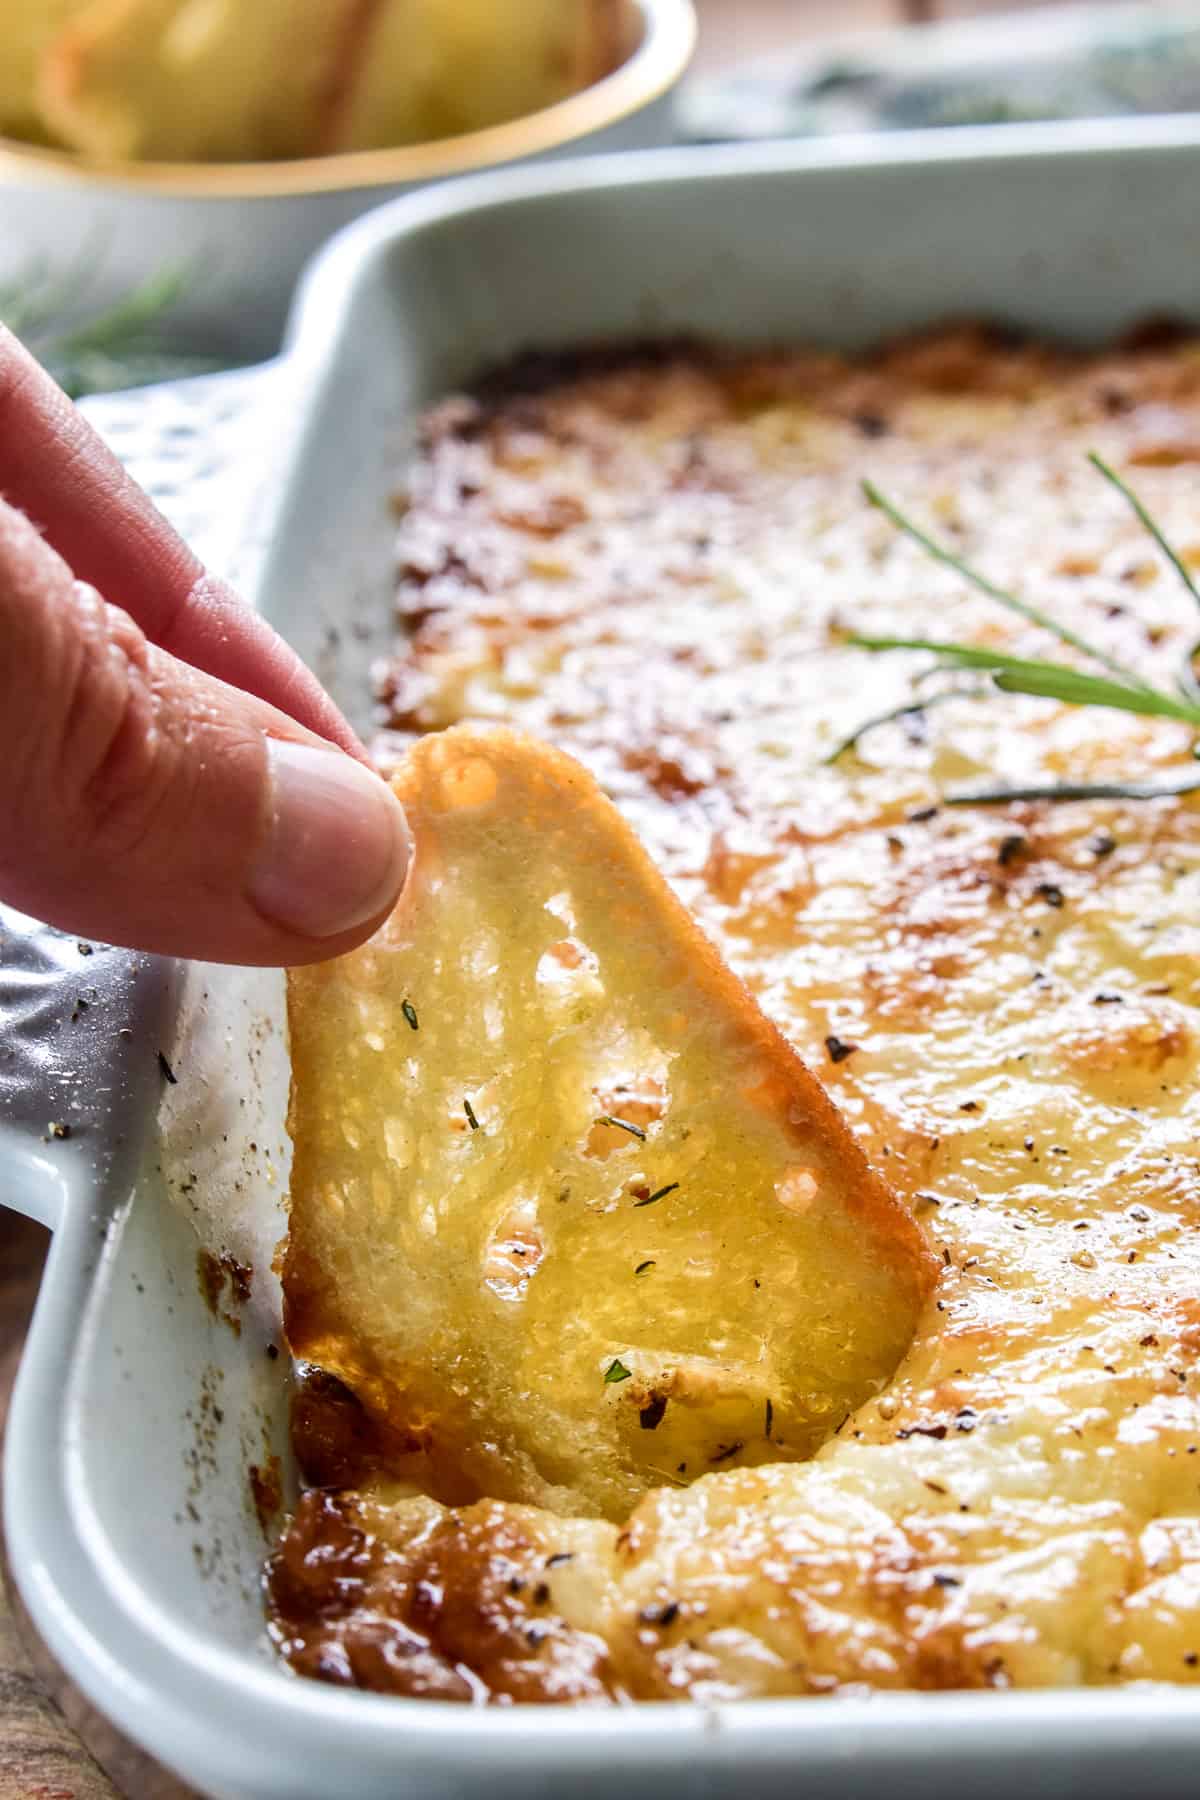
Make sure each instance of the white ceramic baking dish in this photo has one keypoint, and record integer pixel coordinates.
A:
(137, 1412)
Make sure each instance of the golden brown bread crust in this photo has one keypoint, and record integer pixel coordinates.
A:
(655, 560)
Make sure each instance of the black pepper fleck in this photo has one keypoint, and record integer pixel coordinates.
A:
(650, 1416)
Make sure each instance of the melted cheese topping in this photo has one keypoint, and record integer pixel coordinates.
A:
(656, 564)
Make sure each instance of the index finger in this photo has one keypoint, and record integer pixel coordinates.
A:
(60, 473)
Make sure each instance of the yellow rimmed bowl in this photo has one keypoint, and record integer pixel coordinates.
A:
(243, 231)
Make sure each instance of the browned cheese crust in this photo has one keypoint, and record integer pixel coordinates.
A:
(654, 561)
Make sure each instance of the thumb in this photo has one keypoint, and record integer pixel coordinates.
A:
(144, 802)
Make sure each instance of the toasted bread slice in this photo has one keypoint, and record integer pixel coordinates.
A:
(432, 69)
(568, 1214)
(200, 80)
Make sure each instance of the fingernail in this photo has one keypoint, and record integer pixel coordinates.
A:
(338, 846)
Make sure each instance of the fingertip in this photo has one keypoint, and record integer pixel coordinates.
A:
(337, 845)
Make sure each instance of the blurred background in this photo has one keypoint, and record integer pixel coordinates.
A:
(120, 267)
(119, 275)
(742, 28)
(730, 29)
(768, 68)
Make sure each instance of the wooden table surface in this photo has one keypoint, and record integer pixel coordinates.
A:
(52, 1745)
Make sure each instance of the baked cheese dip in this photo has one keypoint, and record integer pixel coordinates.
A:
(655, 560)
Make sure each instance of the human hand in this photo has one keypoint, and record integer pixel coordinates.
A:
(172, 777)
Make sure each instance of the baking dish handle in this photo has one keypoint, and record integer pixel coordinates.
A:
(80, 1069)
(82, 1026)
(208, 451)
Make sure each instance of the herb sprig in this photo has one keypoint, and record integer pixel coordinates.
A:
(624, 1125)
(91, 348)
(1120, 688)
(658, 1194)
(1013, 602)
